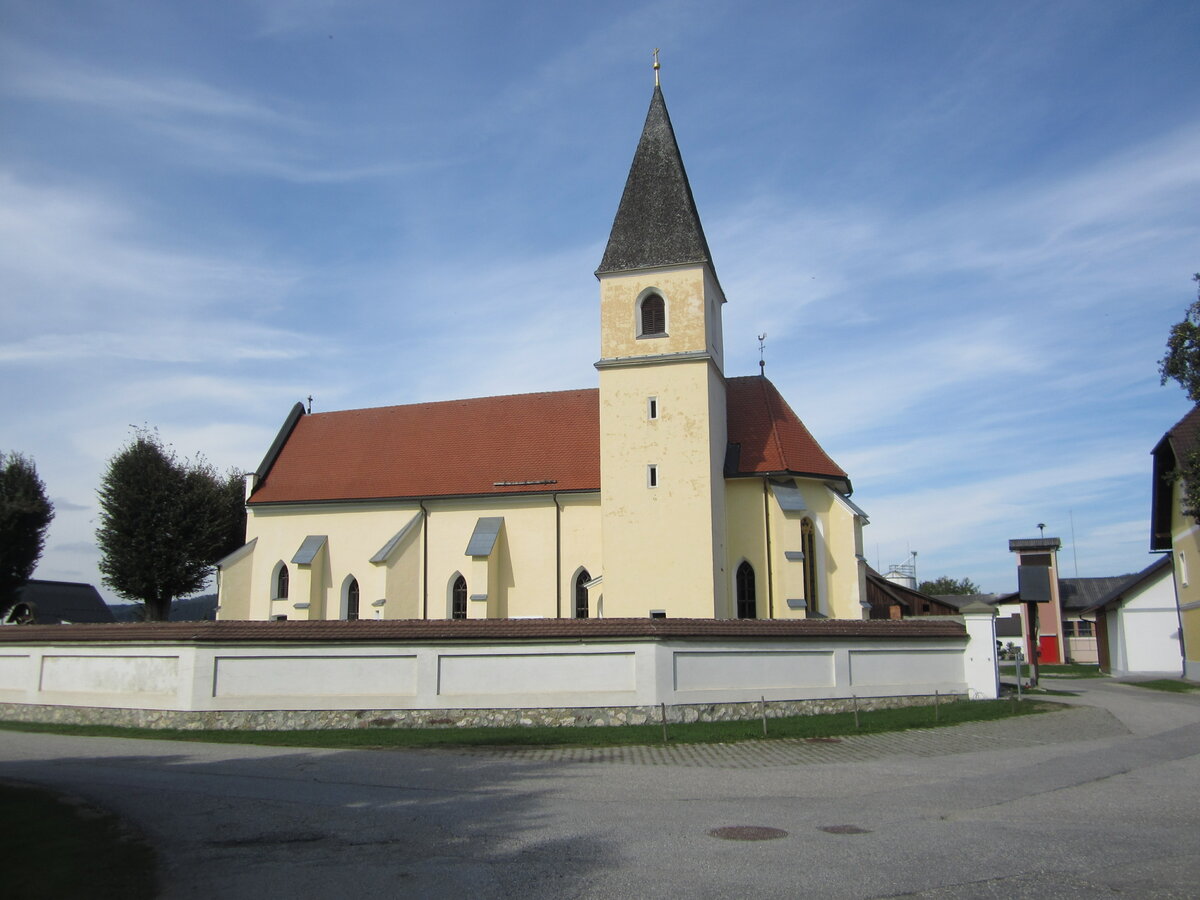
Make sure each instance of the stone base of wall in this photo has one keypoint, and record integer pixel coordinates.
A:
(316, 719)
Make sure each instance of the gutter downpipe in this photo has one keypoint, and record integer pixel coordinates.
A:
(557, 557)
(424, 560)
(770, 575)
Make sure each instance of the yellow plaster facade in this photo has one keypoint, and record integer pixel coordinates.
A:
(1185, 549)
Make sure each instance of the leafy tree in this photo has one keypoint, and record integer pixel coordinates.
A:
(947, 585)
(25, 515)
(1182, 361)
(164, 522)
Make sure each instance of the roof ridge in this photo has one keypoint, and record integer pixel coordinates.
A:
(764, 384)
(456, 400)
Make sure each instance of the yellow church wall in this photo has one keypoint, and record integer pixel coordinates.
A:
(746, 539)
(844, 562)
(1185, 543)
(679, 570)
(234, 585)
(355, 532)
(579, 529)
(691, 325)
(838, 543)
(519, 577)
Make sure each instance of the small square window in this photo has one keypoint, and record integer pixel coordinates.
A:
(651, 407)
(651, 476)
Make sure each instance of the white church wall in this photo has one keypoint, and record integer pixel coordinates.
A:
(484, 674)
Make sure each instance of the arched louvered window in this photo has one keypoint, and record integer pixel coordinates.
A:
(281, 583)
(654, 316)
(352, 599)
(747, 605)
(808, 543)
(581, 594)
(458, 598)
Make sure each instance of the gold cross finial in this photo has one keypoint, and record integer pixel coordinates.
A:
(656, 67)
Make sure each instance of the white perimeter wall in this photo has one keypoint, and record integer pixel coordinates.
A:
(490, 676)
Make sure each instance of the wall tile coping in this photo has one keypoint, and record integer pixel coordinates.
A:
(427, 630)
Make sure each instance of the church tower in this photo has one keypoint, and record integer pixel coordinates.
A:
(663, 429)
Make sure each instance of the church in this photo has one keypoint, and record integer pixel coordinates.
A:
(670, 490)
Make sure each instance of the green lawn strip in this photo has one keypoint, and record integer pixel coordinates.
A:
(831, 725)
(1167, 684)
(57, 847)
(1067, 670)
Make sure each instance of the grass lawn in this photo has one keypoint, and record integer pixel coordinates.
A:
(1065, 670)
(832, 725)
(1167, 684)
(56, 847)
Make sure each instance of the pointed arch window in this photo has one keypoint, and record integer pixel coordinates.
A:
(458, 598)
(581, 594)
(352, 600)
(653, 316)
(747, 604)
(808, 544)
(281, 582)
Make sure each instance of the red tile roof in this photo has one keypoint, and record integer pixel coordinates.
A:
(771, 435)
(424, 630)
(519, 443)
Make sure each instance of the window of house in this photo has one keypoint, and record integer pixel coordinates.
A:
(747, 604)
(808, 544)
(581, 594)
(651, 476)
(651, 407)
(653, 316)
(281, 583)
(352, 599)
(458, 598)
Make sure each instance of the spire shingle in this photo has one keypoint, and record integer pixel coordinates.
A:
(656, 223)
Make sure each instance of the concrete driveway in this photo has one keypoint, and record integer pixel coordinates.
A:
(1100, 800)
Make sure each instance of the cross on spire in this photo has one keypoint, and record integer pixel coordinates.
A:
(656, 67)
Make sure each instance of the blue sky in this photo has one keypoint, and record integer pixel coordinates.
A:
(966, 229)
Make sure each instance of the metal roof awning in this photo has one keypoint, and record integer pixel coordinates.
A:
(309, 549)
(854, 507)
(390, 547)
(788, 496)
(483, 539)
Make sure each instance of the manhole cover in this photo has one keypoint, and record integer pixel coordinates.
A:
(845, 829)
(822, 740)
(747, 833)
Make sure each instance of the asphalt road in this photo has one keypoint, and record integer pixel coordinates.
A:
(1104, 802)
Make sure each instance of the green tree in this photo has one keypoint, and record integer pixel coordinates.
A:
(25, 515)
(947, 585)
(1182, 363)
(164, 522)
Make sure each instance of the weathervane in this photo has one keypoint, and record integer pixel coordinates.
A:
(762, 362)
(656, 67)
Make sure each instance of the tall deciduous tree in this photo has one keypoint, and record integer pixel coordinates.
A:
(164, 522)
(947, 585)
(1182, 364)
(25, 515)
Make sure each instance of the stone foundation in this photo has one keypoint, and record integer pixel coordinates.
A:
(316, 719)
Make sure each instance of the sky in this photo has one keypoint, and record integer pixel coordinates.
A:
(965, 228)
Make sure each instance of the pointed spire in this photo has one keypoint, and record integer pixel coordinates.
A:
(656, 223)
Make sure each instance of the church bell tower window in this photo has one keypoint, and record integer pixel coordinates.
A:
(653, 316)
